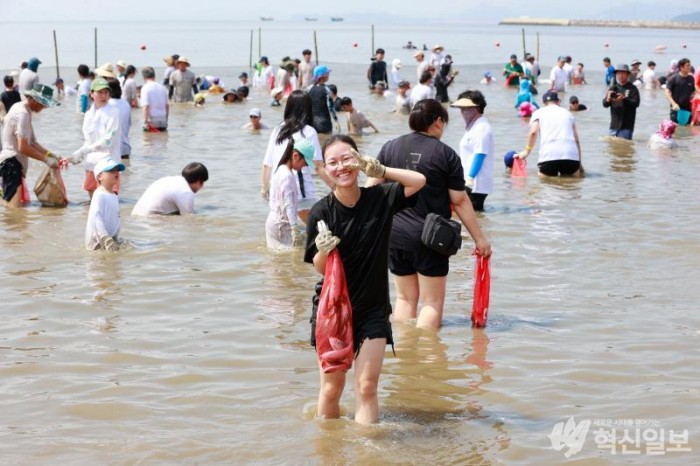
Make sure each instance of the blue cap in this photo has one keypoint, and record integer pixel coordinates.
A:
(487, 74)
(263, 59)
(321, 70)
(508, 158)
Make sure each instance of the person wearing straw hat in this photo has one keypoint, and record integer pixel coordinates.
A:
(120, 65)
(19, 145)
(183, 82)
(436, 56)
(679, 90)
(169, 68)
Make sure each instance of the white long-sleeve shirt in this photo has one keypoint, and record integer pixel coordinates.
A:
(103, 218)
(101, 131)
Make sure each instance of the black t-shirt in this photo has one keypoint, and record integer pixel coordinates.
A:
(9, 98)
(377, 72)
(682, 89)
(364, 242)
(623, 114)
(443, 171)
(319, 108)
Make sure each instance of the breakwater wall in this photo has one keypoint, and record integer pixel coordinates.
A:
(525, 21)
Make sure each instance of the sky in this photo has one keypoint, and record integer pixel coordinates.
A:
(388, 10)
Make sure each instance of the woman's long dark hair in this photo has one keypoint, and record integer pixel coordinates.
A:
(287, 153)
(297, 114)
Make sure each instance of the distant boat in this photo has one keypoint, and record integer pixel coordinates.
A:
(310, 19)
(336, 18)
(266, 18)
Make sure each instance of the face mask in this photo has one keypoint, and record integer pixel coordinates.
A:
(470, 114)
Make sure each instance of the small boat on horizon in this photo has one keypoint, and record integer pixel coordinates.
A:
(310, 19)
(266, 18)
(336, 18)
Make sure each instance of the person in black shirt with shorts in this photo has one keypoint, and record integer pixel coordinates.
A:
(420, 274)
(358, 222)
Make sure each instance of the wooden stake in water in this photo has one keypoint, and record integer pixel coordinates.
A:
(372, 51)
(95, 47)
(259, 42)
(55, 49)
(316, 48)
(538, 46)
(524, 49)
(250, 59)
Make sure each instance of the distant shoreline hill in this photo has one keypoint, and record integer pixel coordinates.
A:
(526, 21)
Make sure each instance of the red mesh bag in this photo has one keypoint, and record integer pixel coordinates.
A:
(334, 339)
(482, 290)
(519, 167)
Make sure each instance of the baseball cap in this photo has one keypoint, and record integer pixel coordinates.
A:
(487, 74)
(550, 96)
(305, 148)
(106, 165)
(98, 84)
(622, 67)
(263, 59)
(636, 62)
(514, 57)
(562, 58)
(255, 112)
(243, 75)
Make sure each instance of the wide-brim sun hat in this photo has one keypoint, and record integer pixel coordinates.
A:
(438, 48)
(184, 60)
(106, 71)
(42, 94)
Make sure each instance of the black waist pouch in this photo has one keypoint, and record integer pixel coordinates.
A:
(441, 234)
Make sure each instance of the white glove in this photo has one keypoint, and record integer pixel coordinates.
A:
(325, 241)
(336, 125)
(77, 157)
(297, 237)
(368, 165)
(51, 161)
(265, 193)
(469, 182)
(109, 243)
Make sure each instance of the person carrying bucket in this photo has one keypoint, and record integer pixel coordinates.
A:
(679, 90)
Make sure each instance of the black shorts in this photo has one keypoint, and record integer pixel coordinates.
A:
(367, 325)
(559, 167)
(11, 174)
(423, 260)
(477, 200)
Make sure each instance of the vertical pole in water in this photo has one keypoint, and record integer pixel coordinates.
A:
(250, 59)
(316, 47)
(95, 47)
(259, 42)
(538, 46)
(55, 49)
(371, 52)
(524, 50)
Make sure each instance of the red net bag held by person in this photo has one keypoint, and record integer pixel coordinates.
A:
(519, 167)
(334, 339)
(482, 290)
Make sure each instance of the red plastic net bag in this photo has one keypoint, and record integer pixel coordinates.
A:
(482, 290)
(519, 167)
(334, 341)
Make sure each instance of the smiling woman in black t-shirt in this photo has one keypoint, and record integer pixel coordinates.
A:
(359, 224)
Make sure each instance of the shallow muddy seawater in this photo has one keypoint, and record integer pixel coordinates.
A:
(191, 345)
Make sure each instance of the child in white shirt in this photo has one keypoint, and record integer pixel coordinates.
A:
(103, 224)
